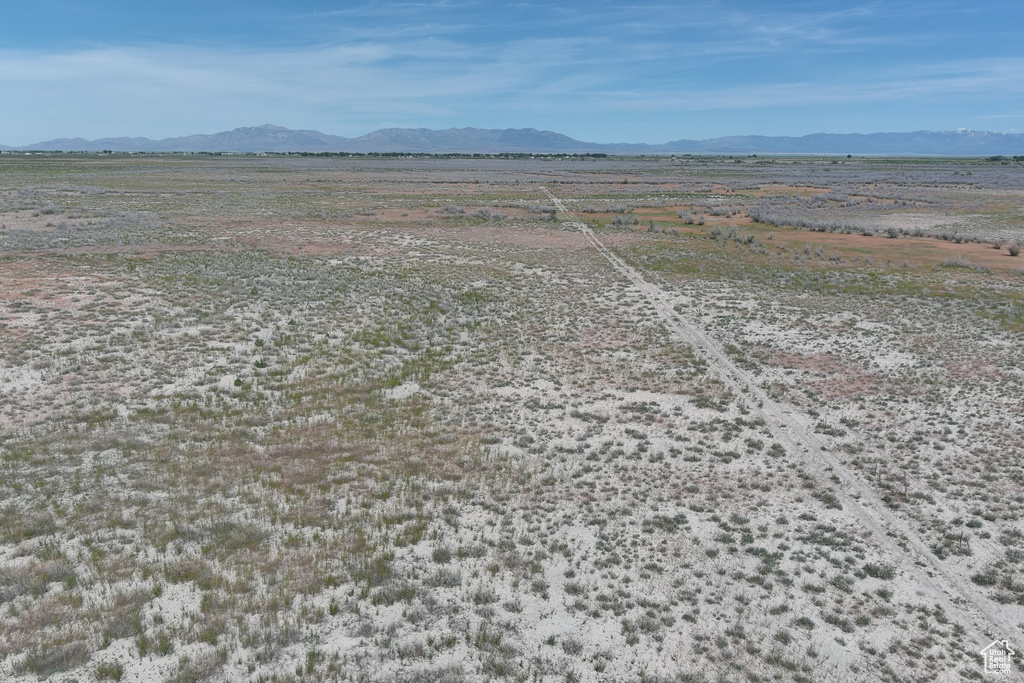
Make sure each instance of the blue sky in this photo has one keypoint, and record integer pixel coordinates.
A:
(597, 71)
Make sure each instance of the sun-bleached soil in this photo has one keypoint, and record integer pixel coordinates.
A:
(565, 419)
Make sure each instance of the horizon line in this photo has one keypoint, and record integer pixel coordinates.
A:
(525, 128)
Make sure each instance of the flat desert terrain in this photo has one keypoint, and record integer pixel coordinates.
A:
(300, 418)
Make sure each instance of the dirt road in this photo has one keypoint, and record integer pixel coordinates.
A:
(955, 593)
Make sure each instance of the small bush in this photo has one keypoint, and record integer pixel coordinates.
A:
(986, 578)
(839, 622)
(195, 671)
(885, 572)
(445, 578)
(804, 622)
(16, 526)
(392, 593)
(956, 262)
(484, 596)
(571, 646)
(109, 671)
(50, 660)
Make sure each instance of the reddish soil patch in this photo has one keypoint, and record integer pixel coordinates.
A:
(971, 369)
(661, 215)
(841, 380)
(791, 189)
(920, 252)
(599, 338)
(814, 362)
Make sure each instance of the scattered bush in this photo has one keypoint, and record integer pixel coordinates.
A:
(886, 572)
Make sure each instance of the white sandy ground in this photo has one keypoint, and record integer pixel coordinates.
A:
(951, 589)
(402, 391)
(560, 412)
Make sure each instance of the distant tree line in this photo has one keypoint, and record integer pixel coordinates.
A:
(451, 155)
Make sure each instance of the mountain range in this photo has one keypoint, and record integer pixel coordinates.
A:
(270, 138)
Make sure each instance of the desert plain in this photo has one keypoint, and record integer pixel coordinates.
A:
(383, 418)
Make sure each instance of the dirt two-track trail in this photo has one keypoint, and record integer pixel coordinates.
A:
(946, 588)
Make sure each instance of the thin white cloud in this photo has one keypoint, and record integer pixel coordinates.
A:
(151, 91)
(922, 82)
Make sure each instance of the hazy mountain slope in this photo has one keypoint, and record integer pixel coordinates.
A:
(269, 138)
(918, 142)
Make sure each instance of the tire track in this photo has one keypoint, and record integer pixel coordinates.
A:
(944, 585)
